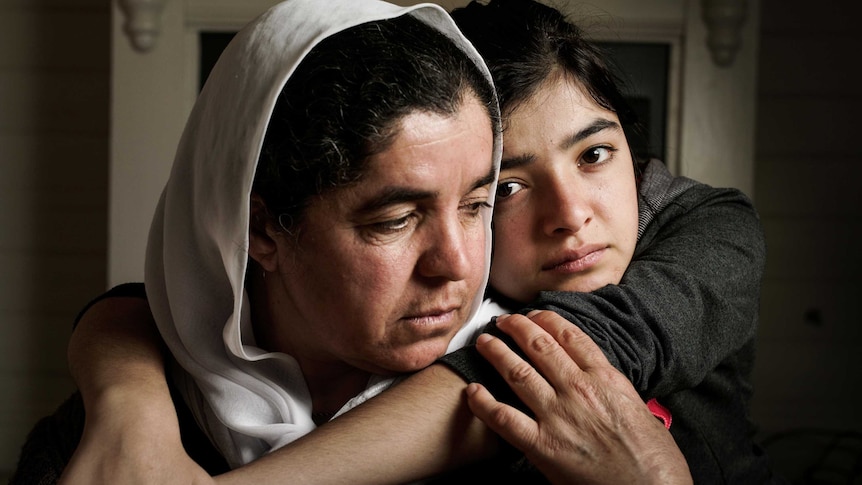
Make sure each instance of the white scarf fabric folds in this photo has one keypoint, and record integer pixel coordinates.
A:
(249, 401)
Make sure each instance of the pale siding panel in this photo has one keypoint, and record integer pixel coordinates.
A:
(817, 310)
(807, 65)
(808, 187)
(805, 18)
(812, 127)
(54, 78)
(55, 161)
(44, 39)
(63, 101)
(809, 192)
(813, 249)
(810, 385)
(49, 285)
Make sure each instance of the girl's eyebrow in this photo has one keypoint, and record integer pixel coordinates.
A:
(599, 124)
(516, 162)
(596, 126)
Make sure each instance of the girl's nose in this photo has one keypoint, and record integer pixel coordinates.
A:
(566, 207)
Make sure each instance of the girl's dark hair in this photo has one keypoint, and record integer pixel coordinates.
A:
(524, 43)
(345, 100)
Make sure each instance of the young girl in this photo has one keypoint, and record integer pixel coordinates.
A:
(662, 273)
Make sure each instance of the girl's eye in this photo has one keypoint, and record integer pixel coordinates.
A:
(596, 155)
(508, 189)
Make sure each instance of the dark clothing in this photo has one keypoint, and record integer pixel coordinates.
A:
(681, 324)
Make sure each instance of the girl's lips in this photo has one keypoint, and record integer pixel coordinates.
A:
(576, 261)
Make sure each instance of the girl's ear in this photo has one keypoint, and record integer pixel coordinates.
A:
(262, 246)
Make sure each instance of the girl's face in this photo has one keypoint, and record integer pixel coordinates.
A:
(566, 213)
(384, 272)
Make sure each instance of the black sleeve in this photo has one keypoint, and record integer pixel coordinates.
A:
(50, 445)
(131, 290)
(472, 367)
(689, 299)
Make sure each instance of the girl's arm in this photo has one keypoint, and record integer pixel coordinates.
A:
(689, 298)
(419, 428)
(131, 432)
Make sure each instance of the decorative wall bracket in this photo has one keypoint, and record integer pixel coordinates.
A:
(724, 19)
(143, 22)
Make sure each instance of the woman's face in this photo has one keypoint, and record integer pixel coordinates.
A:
(383, 273)
(566, 211)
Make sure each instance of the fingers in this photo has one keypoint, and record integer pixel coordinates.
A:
(560, 351)
(522, 378)
(577, 344)
(511, 424)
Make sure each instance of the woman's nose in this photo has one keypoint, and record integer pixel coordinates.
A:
(447, 255)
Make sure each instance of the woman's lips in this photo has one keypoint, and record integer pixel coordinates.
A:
(433, 317)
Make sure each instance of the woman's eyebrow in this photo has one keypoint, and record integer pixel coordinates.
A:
(596, 126)
(392, 196)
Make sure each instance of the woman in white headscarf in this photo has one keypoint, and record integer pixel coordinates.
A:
(326, 225)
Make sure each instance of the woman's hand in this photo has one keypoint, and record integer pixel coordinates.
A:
(590, 425)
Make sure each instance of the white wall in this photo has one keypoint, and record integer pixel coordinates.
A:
(53, 193)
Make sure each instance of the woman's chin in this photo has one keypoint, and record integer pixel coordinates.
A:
(414, 358)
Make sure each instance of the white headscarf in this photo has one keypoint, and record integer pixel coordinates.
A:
(249, 401)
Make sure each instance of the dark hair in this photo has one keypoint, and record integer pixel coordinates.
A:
(344, 101)
(524, 43)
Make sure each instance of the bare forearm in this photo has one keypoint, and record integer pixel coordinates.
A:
(131, 433)
(116, 344)
(417, 429)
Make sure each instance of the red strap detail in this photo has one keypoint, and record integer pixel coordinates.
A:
(660, 412)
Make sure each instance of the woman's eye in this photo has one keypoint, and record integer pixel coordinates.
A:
(393, 225)
(508, 189)
(596, 155)
(474, 209)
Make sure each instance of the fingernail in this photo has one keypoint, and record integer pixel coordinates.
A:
(534, 312)
(502, 317)
(482, 338)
